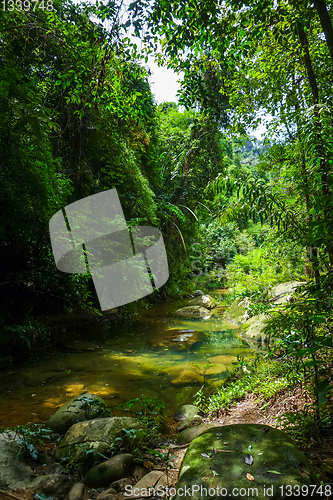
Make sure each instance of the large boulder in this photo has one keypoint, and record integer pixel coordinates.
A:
(203, 301)
(14, 472)
(245, 460)
(282, 293)
(78, 409)
(93, 437)
(252, 328)
(237, 312)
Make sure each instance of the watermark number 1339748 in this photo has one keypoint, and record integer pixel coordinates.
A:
(27, 5)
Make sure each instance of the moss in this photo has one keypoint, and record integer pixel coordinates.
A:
(271, 450)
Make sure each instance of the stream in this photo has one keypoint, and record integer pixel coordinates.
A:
(158, 355)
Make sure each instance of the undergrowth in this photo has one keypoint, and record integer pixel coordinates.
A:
(267, 379)
(257, 376)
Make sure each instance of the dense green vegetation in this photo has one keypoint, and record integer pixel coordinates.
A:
(77, 117)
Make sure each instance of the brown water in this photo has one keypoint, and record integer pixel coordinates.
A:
(120, 363)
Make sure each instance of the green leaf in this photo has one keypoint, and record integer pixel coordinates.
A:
(321, 386)
(312, 363)
(327, 342)
(308, 350)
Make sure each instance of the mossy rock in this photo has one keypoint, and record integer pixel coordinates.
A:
(251, 329)
(216, 459)
(189, 422)
(237, 312)
(78, 409)
(203, 301)
(186, 411)
(196, 311)
(93, 437)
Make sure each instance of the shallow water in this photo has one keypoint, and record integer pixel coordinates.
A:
(120, 363)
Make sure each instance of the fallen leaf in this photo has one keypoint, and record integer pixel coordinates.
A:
(205, 455)
(250, 477)
(248, 459)
(274, 472)
(149, 465)
(215, 473)
(226, 442)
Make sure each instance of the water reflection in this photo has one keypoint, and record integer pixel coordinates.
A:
(143, 360)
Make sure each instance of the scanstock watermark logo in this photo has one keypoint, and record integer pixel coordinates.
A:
(125, 263)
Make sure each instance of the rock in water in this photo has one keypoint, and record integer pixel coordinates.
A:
(176, 338)
(78, 409)
(203, 301)
(193, 311)
(214, 465)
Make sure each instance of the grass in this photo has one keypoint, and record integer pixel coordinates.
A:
(269, 379)
(262, 377)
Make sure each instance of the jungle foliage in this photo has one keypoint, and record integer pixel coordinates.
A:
(77, 117)
(245, 61)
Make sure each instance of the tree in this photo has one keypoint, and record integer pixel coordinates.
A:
(268, 56)
(77, 117)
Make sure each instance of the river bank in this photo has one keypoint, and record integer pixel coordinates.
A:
(165, 462)
(253, 409)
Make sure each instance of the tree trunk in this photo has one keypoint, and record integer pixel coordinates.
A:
(326, 24)
(312, 252)
(320, 148)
